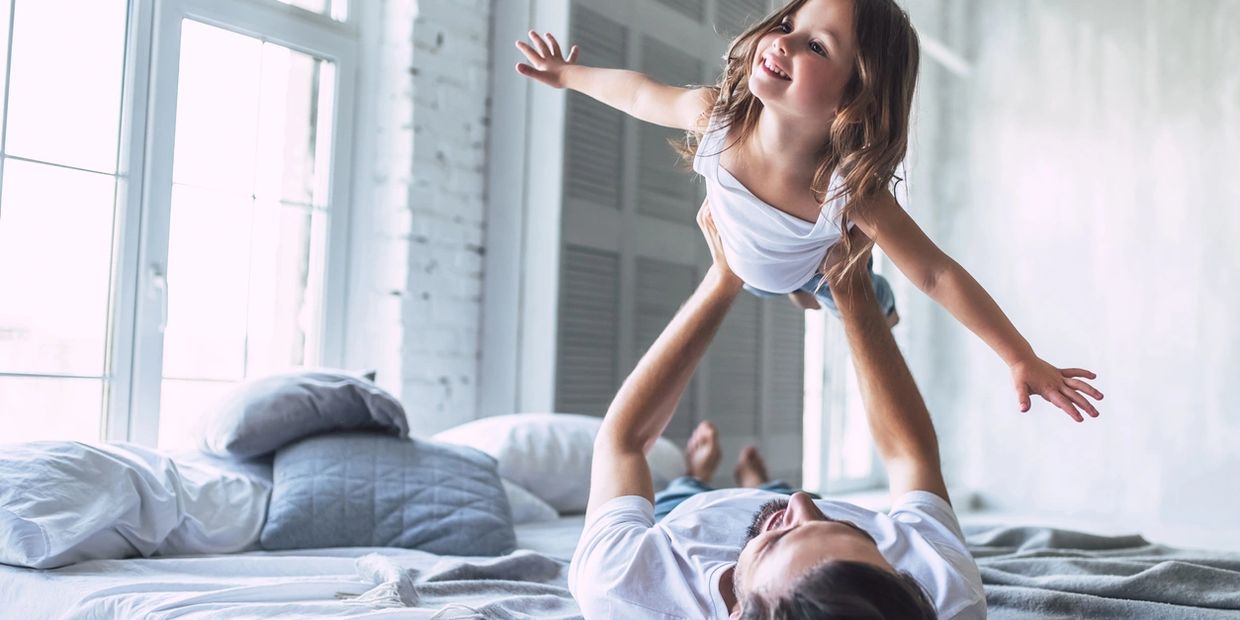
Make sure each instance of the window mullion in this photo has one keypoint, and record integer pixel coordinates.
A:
(153, 192)
(128, 216)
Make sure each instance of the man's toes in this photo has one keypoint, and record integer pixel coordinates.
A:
(748, 455)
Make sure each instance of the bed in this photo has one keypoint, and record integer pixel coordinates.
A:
(1030, 573)
(307, 496)
(262, 584)
(212, 530)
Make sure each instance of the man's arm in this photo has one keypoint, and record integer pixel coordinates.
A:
(645, 403)
(899, 421)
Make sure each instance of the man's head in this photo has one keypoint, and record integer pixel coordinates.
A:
(799, 563)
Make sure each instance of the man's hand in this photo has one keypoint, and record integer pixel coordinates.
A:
(707, 223)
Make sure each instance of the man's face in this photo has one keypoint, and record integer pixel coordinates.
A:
(789, 537)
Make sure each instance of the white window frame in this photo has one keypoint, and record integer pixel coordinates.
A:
(148, 128)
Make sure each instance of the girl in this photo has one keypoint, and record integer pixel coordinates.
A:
(802, 137)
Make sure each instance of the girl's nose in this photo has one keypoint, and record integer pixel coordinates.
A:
(780, 44)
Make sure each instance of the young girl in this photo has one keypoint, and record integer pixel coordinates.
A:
(802, 137)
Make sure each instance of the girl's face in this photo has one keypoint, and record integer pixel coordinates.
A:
(802, 66)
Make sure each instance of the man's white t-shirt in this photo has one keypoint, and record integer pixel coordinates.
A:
(627, 566)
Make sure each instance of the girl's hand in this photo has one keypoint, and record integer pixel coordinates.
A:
(1060, 387)
(547, 62)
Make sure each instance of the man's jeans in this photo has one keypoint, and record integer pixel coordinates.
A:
(685, 487)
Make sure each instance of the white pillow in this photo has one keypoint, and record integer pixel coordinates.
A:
(526, 507)
(549, 454)
(63, 502)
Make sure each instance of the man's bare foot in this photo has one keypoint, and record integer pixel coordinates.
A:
(750, 468)
(702, 451)
(804, 300)
(893, 319)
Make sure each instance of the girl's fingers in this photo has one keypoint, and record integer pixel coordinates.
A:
(572, 55)
(529, 52)
(529, 71)
(1080, 402)
(539, 44)
(555, 45)
(1081, 386)
(1077, 372)
(1061, 401)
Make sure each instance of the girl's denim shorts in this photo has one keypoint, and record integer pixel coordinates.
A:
(882, 289)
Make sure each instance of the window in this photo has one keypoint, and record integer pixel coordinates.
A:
(248, 177)
(169, 192)
(58, 204)
(335, 9)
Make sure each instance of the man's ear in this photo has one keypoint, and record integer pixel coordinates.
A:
(736, 612)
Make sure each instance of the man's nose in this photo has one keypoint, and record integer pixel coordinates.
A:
(802, 508)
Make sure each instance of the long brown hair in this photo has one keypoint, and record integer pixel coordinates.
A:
(869, 135)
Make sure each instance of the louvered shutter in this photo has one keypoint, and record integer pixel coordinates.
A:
(734, 360)
(631, 254)
(783, 412)
(787, 345)
(732, 17)
(661, 288)
(666, 188)
(594, 152)
(693, 9)
(586, 352)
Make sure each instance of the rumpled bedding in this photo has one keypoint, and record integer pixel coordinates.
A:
(522, 585)
(63, 502)
(1039, 573)
(306, 583)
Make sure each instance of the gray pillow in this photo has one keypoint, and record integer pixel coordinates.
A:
(264, 414)
(368, 490)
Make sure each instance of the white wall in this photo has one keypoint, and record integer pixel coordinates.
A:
(417, 234)
(1086, 172)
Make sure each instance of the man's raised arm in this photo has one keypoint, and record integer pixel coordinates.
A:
(647, 400)
(897, 414)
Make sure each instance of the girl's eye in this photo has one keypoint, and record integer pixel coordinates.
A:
(817, 49)
(785, 27)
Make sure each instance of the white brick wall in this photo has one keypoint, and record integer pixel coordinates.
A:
(416, 298)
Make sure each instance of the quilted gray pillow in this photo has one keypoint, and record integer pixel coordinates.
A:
(369, 490)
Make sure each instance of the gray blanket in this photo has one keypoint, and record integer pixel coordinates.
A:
(1030, 573)
(1043, 573)
(520, 585)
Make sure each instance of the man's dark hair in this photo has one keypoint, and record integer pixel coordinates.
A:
(843, 590)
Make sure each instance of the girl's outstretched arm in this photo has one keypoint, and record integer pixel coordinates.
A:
(631, 92)
(949, 284)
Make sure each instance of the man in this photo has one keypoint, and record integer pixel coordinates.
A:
(755, 553)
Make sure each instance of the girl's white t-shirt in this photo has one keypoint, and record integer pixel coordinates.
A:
(767, 248)
(627, 566)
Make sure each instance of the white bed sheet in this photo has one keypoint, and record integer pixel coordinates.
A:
(256, 584)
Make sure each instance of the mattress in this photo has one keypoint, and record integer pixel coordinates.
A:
(255, 584)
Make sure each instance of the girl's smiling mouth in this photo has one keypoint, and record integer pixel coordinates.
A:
(773, 70)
